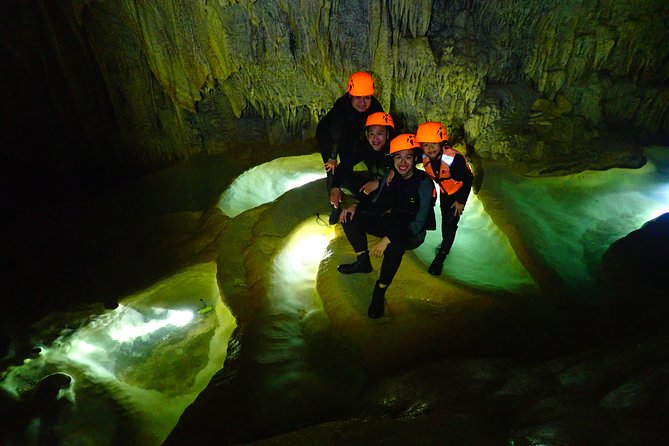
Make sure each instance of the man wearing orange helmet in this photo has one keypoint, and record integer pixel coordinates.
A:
(338, 130)
(448, 168)
(373, 151)
(399, 214)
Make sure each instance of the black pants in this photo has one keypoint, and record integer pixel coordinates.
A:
(364, 223)
(449, 222)
(352, 183)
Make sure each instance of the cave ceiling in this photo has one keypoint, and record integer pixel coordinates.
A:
(548, 86)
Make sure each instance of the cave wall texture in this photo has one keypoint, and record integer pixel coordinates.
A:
(549, 86)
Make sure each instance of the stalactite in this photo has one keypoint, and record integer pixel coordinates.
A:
(287, 59)
(411, 16)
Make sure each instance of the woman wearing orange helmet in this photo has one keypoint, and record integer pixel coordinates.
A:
(448, 168)
(400, 213)
(373, 151)
(338, 130)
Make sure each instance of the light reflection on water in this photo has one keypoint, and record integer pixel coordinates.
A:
(145, 361)
(291, 296)
(266, 182)
(568, 221)
(571, 221)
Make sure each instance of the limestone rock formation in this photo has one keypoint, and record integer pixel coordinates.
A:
(448, 360)
(637, 263)
(547, 86)
(543, 87)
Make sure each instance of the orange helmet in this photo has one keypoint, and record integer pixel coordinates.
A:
(360, 84)
(431, 131)
(405, 141)
(380, 118)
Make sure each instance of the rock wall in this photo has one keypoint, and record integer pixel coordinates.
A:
(527, 82)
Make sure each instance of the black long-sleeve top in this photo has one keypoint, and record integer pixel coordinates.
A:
(409, 201)
(378, 163)
(338, 130)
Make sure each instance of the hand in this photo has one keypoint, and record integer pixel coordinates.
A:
(330, 165)
(459, 208)
(348, 213)
(369, 187)
(390, 177)
(380, 247)
(335, 196)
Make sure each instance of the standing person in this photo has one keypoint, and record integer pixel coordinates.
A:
(339, 129)
(400, 214)
(373, 151)
(448, 168)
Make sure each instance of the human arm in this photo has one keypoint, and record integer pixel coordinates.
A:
(425, 190)
(330, 132)
(335, 196)
(348, 213)
(460, 172)
(390, 177)
(378, 248)
(347, 165)
(369, 187)
(330, 165)
(458, 208)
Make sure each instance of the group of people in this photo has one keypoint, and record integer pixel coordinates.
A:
(393, 199)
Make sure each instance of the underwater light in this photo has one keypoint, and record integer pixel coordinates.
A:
(310, 247)
(84, 347)
(296, 266)
(130, 328)
(661, 193)
(266, 182)
(302, 179)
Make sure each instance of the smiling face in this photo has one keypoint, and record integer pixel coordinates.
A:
(431, 149)
(404, 161)
(377, 135)
(361, 103)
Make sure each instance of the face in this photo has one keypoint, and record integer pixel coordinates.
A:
(377, 135)
(404, 162)
(431, 149)
(361, 103)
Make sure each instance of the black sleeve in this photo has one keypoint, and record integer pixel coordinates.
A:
(330, 130)
(383, 197)
(334, 131)
(378, 163)
(425, 189)
(460, 172)
(343, 171)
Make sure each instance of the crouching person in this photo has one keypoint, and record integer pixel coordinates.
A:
(399, 214)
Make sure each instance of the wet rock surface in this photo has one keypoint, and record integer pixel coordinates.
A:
(549, 87)
(597, 396)
(448, 362)
(637, 264)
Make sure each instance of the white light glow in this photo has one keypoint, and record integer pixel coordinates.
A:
(292, 295)
(131, 360)
(570, 221)
(139, 356)
(661, 194)
(478, 245)
(302, 180)
(296, 266)
(130, 328)
(84, 347)
(267, 182)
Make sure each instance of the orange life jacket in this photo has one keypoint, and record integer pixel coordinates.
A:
(447, 185)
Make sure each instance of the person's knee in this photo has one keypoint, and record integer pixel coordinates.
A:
(394, 253)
